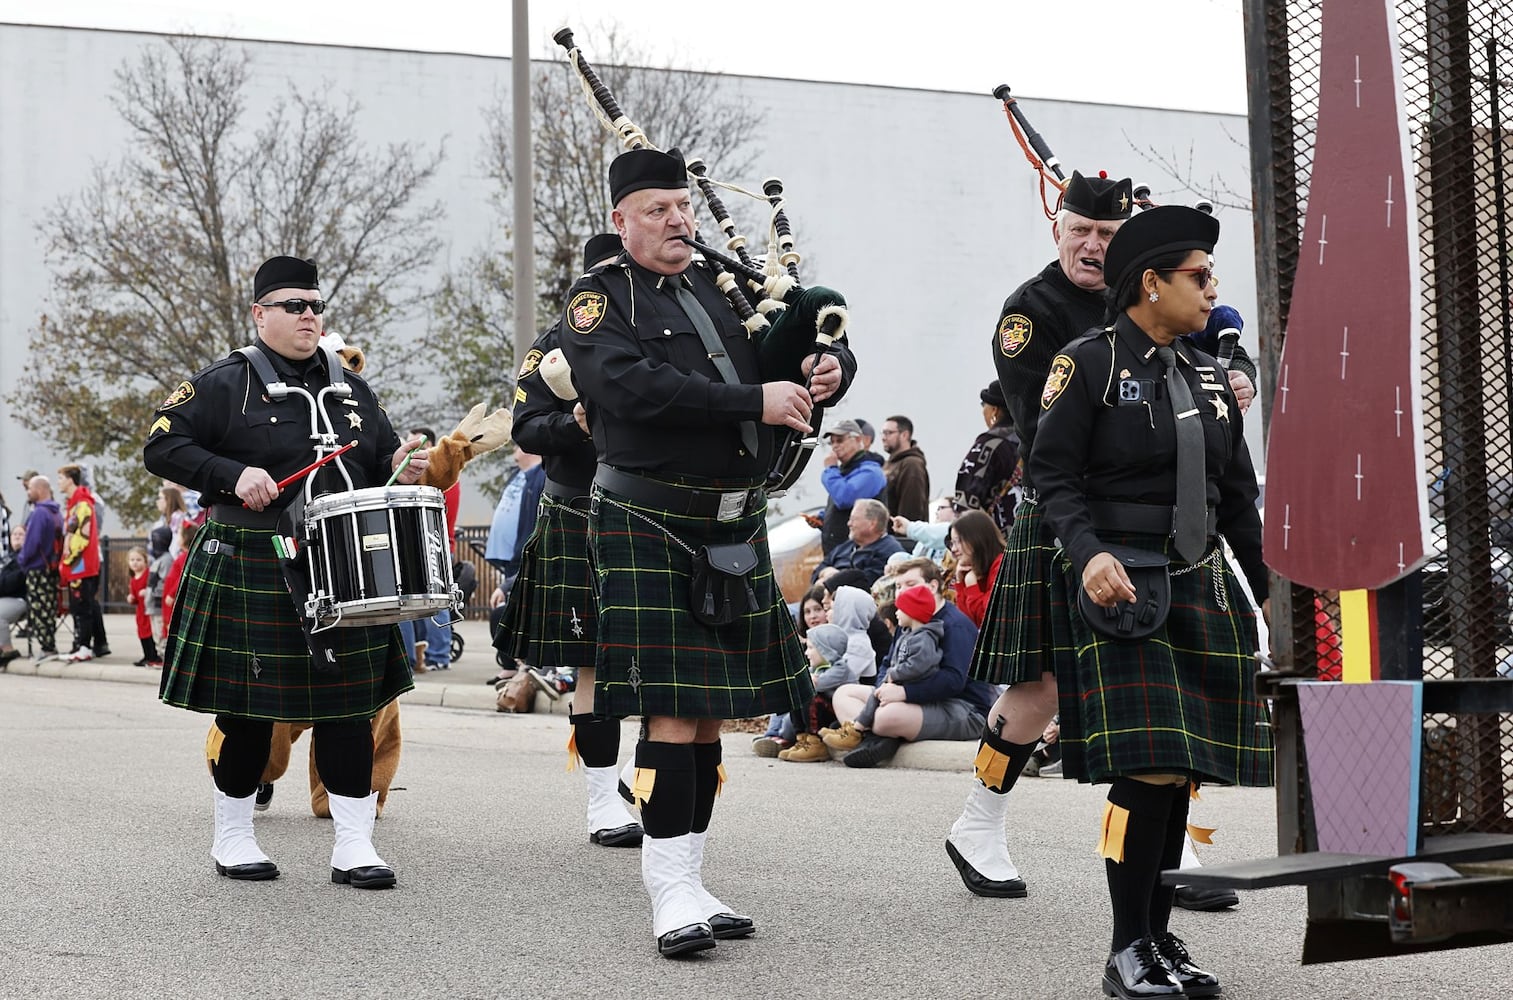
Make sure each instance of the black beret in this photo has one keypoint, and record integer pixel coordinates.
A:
(1154, 233)
(646, 168)
(599, 247)
(283, 272)
(993, 395)
(1098, 197)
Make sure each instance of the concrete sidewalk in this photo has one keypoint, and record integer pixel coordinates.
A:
(467, 683)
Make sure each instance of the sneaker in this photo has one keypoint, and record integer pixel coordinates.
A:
(807, 749)
(1051, 770)
(847, 737)
(874, 750)
(543, 685)
(102, 651)
(80, 655)
(264, 796)
(139, 663)
(769, 746)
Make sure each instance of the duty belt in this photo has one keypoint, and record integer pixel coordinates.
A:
(562, 491)
(686, 501)
(1144, 518)
(243, 517)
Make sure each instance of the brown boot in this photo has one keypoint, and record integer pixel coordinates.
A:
(805, 750)
(847, 737)
(420, 657)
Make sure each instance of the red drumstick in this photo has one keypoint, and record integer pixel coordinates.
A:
(313, 466)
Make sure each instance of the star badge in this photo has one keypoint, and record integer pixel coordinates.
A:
(354, 420)
(1221, 408)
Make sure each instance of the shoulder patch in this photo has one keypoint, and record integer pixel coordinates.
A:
(181, 394)
(161, 424)
(519, 394)
(1014, 332)
(586, 311)
(532, 359)
(1055, 382)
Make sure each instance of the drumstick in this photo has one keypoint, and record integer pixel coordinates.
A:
(314, 465)
(400, 467)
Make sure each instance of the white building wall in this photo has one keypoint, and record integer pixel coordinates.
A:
(918, 205)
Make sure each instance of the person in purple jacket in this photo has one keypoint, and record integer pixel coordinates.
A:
(39, 557)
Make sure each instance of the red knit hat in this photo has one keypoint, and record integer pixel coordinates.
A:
(918, 602)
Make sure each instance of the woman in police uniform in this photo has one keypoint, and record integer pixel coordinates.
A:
(1115, 465)
(236, 646)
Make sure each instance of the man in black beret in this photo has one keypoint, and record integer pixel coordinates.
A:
(682, 420)
(236, 646)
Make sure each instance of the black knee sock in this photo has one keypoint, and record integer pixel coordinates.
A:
(1171, 857)
(1016, 753)
(668, 811)
(344, 756)
(597, 739)
(243, 755)
(706, 783)
(1131, 881)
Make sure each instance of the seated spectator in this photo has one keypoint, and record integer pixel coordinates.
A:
(946, 706)
(851, 473)
(887, 584)
(867, 548)
(840, 653)
(929, 538)
(877, 630)
(916, 657)
(12, 592)
(780, 731)
(978, 547)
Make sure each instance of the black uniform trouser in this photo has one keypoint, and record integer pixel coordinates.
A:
(343, 755)
(89, 617)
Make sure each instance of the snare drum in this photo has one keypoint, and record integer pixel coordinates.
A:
(378, 556)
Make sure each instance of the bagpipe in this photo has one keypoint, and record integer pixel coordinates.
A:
(791, 324)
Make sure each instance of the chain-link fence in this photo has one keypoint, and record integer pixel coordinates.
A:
(1457, 62)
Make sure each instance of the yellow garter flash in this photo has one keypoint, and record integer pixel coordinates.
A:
(1192, 791)
(720, 785)
(1111, 843)
(991, 766)
(640, 789)
(1201, 834)
(572, 747)
(213, 741)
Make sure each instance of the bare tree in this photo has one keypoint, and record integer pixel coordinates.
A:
(1215, 189)
(152, 261)
(571, 153)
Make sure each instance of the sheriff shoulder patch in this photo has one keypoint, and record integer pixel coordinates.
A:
(586, 311)
(532, 360)
(182, 394)
(1055, 382)
(1014, 332)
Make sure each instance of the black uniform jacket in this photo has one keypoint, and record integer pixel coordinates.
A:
(655, 401)
(220, 421)
(544, 424)
(1106, 433)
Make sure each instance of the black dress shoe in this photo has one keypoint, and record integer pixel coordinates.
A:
(372, 877)
(258, 871)
(980, 885)
(1204, 898)
(628, 835)
(685, 940)
(731, 925)
(1195, 982)
(1136, 972)
(874, 750)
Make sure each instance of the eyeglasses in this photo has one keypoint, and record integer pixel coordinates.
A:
(1205, 275)
(296, 307)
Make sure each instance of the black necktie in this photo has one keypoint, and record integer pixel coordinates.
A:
(715, 349)
(1190, 534)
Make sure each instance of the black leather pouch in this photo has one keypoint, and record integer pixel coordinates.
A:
(1150, 574)
(721, 586)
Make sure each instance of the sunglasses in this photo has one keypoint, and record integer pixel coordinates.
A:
(296, 307)
(1205, 275)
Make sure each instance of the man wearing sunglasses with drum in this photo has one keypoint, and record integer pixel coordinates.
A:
(236, 647)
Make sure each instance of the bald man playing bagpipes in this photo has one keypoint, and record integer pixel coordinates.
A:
(684, 403)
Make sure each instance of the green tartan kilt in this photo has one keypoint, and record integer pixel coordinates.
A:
(1181, 701)
(654, 657)
(235, 644)
(1023, 632)
(551, 615)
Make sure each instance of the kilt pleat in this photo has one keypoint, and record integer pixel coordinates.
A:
(654, 657)
(551, 621)
(1181, 701)
(235, 644)
(1017, 641)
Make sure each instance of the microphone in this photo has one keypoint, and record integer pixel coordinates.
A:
(1228, 338)
(1227, 322)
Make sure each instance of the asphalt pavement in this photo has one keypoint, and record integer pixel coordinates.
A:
(109, 891)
